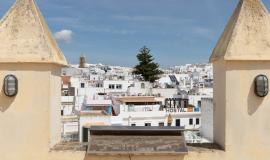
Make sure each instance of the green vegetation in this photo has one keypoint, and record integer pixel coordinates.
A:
(147, 68)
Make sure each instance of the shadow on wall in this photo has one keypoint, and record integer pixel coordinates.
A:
(5, 102)
(253, 101)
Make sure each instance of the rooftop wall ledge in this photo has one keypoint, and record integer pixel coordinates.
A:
(69, 146)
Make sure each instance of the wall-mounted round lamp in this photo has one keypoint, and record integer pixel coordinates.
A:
(10, 86)
(261, 86)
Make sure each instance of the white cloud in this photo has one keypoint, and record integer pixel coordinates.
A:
(63, 35)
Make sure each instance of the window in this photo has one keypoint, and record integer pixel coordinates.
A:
(190, 121)
(82, 85)
(185, 103)
(142, 85)
(147, 124)
(199, 103)
(197, 121)
(133, 124)
(177, 122)
(161, 124)
(62, 112)
(131, 108)
(111, 86)
(99, 85)
(119, 86)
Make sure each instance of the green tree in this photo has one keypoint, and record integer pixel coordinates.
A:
(146, 68)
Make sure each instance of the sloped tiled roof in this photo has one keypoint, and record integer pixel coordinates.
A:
(247, 35)
(26, 38)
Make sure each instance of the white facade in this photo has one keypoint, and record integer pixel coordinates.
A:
(90, 118)
(140, 115)
(165, 92)
(140, 88)
(70, 127)
(206, 91)
(207, 119)
(196, 100)
(116, 85)
(67, 105)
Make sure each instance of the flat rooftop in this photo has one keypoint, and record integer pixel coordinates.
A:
(119, 140)
(134, 99)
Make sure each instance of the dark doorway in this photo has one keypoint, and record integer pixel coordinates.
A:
(177, 122)
(147, 124)
(85, 134)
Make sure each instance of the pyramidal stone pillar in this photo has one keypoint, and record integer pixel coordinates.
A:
(30, 119)
(241, 118)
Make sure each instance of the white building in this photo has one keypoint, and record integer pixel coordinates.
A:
(207, 119)
(111, 95)
(91, 118)
(116, 85)
(148, 111)
(94, 112)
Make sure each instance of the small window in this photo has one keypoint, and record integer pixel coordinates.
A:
(133, 124)
(82, 85)
(62, 112)
(197, 121)
(161, 124)
(142, 85)
(111, 86)
(147, 124)
(190, 121)
(119, 86)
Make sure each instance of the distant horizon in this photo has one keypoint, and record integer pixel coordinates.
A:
(133, 66)
(106, 32)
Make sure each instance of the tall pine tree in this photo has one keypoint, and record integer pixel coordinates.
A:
(146, 68)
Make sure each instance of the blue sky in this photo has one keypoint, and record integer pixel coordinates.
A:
(112, 31)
